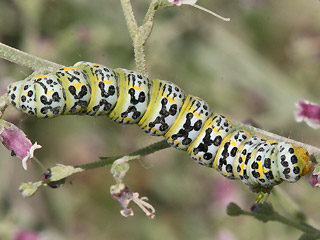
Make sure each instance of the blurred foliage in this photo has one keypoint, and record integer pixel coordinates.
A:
(254, 67)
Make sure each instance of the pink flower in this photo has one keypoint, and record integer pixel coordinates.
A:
(26, 235)
(308, 112)
(17, 142)
(193, 4)
(180, 2)
(314, 179)
(225, 234)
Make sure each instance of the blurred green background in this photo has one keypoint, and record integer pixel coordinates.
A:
(254, 67)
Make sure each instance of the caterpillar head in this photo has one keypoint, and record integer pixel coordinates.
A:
(293, 162)
(304, 159)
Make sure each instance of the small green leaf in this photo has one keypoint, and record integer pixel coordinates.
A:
(233, 209)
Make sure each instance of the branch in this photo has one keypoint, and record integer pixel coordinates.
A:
(27, 60)
(265, 212)
(141, 152)
(56, 176)
(129, 16)
(139, 35)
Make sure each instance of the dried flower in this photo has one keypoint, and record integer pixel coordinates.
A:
(17, 142)
(308, 112)
(124, 196)
(180, 2)
(193, 4)
(28, 189)
(315, 176)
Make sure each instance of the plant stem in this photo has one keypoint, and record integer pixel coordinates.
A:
(139, 35)
(25, 59)
(142, 152)
(129, 16)
(287, 204)
(274, 216)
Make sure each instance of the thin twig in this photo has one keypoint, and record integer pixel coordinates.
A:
(25, 59)
(142, 152)
(139, 35)
(265, 212)
(129, 16)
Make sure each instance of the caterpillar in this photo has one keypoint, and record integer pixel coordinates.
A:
(161, 108)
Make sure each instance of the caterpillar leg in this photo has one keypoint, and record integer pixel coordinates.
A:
(262, 197)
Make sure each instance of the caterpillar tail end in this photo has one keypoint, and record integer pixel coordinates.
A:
(304, 160)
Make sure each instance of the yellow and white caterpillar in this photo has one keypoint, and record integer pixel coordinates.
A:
(161, 108)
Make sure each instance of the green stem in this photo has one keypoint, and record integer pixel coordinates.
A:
(148, 19)
(287, 204)
(129, 16)
(274, 216)
(139, 35)
(301, 226)
(140, 59)
(25, 59)
(4, 101)
(142, 152)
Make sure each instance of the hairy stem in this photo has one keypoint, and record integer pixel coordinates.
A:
(25, 59)
(139, 35)
(129, 16)
(265, 212)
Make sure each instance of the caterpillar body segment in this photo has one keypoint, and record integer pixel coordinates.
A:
(161, 108)
(230, 147)
(104, 88)
(204, 149)
(164, 107)
(189, 122)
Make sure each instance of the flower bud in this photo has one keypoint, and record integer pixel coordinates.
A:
(233, 209)
(28, 189)
(60, 172)
(315, 176)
